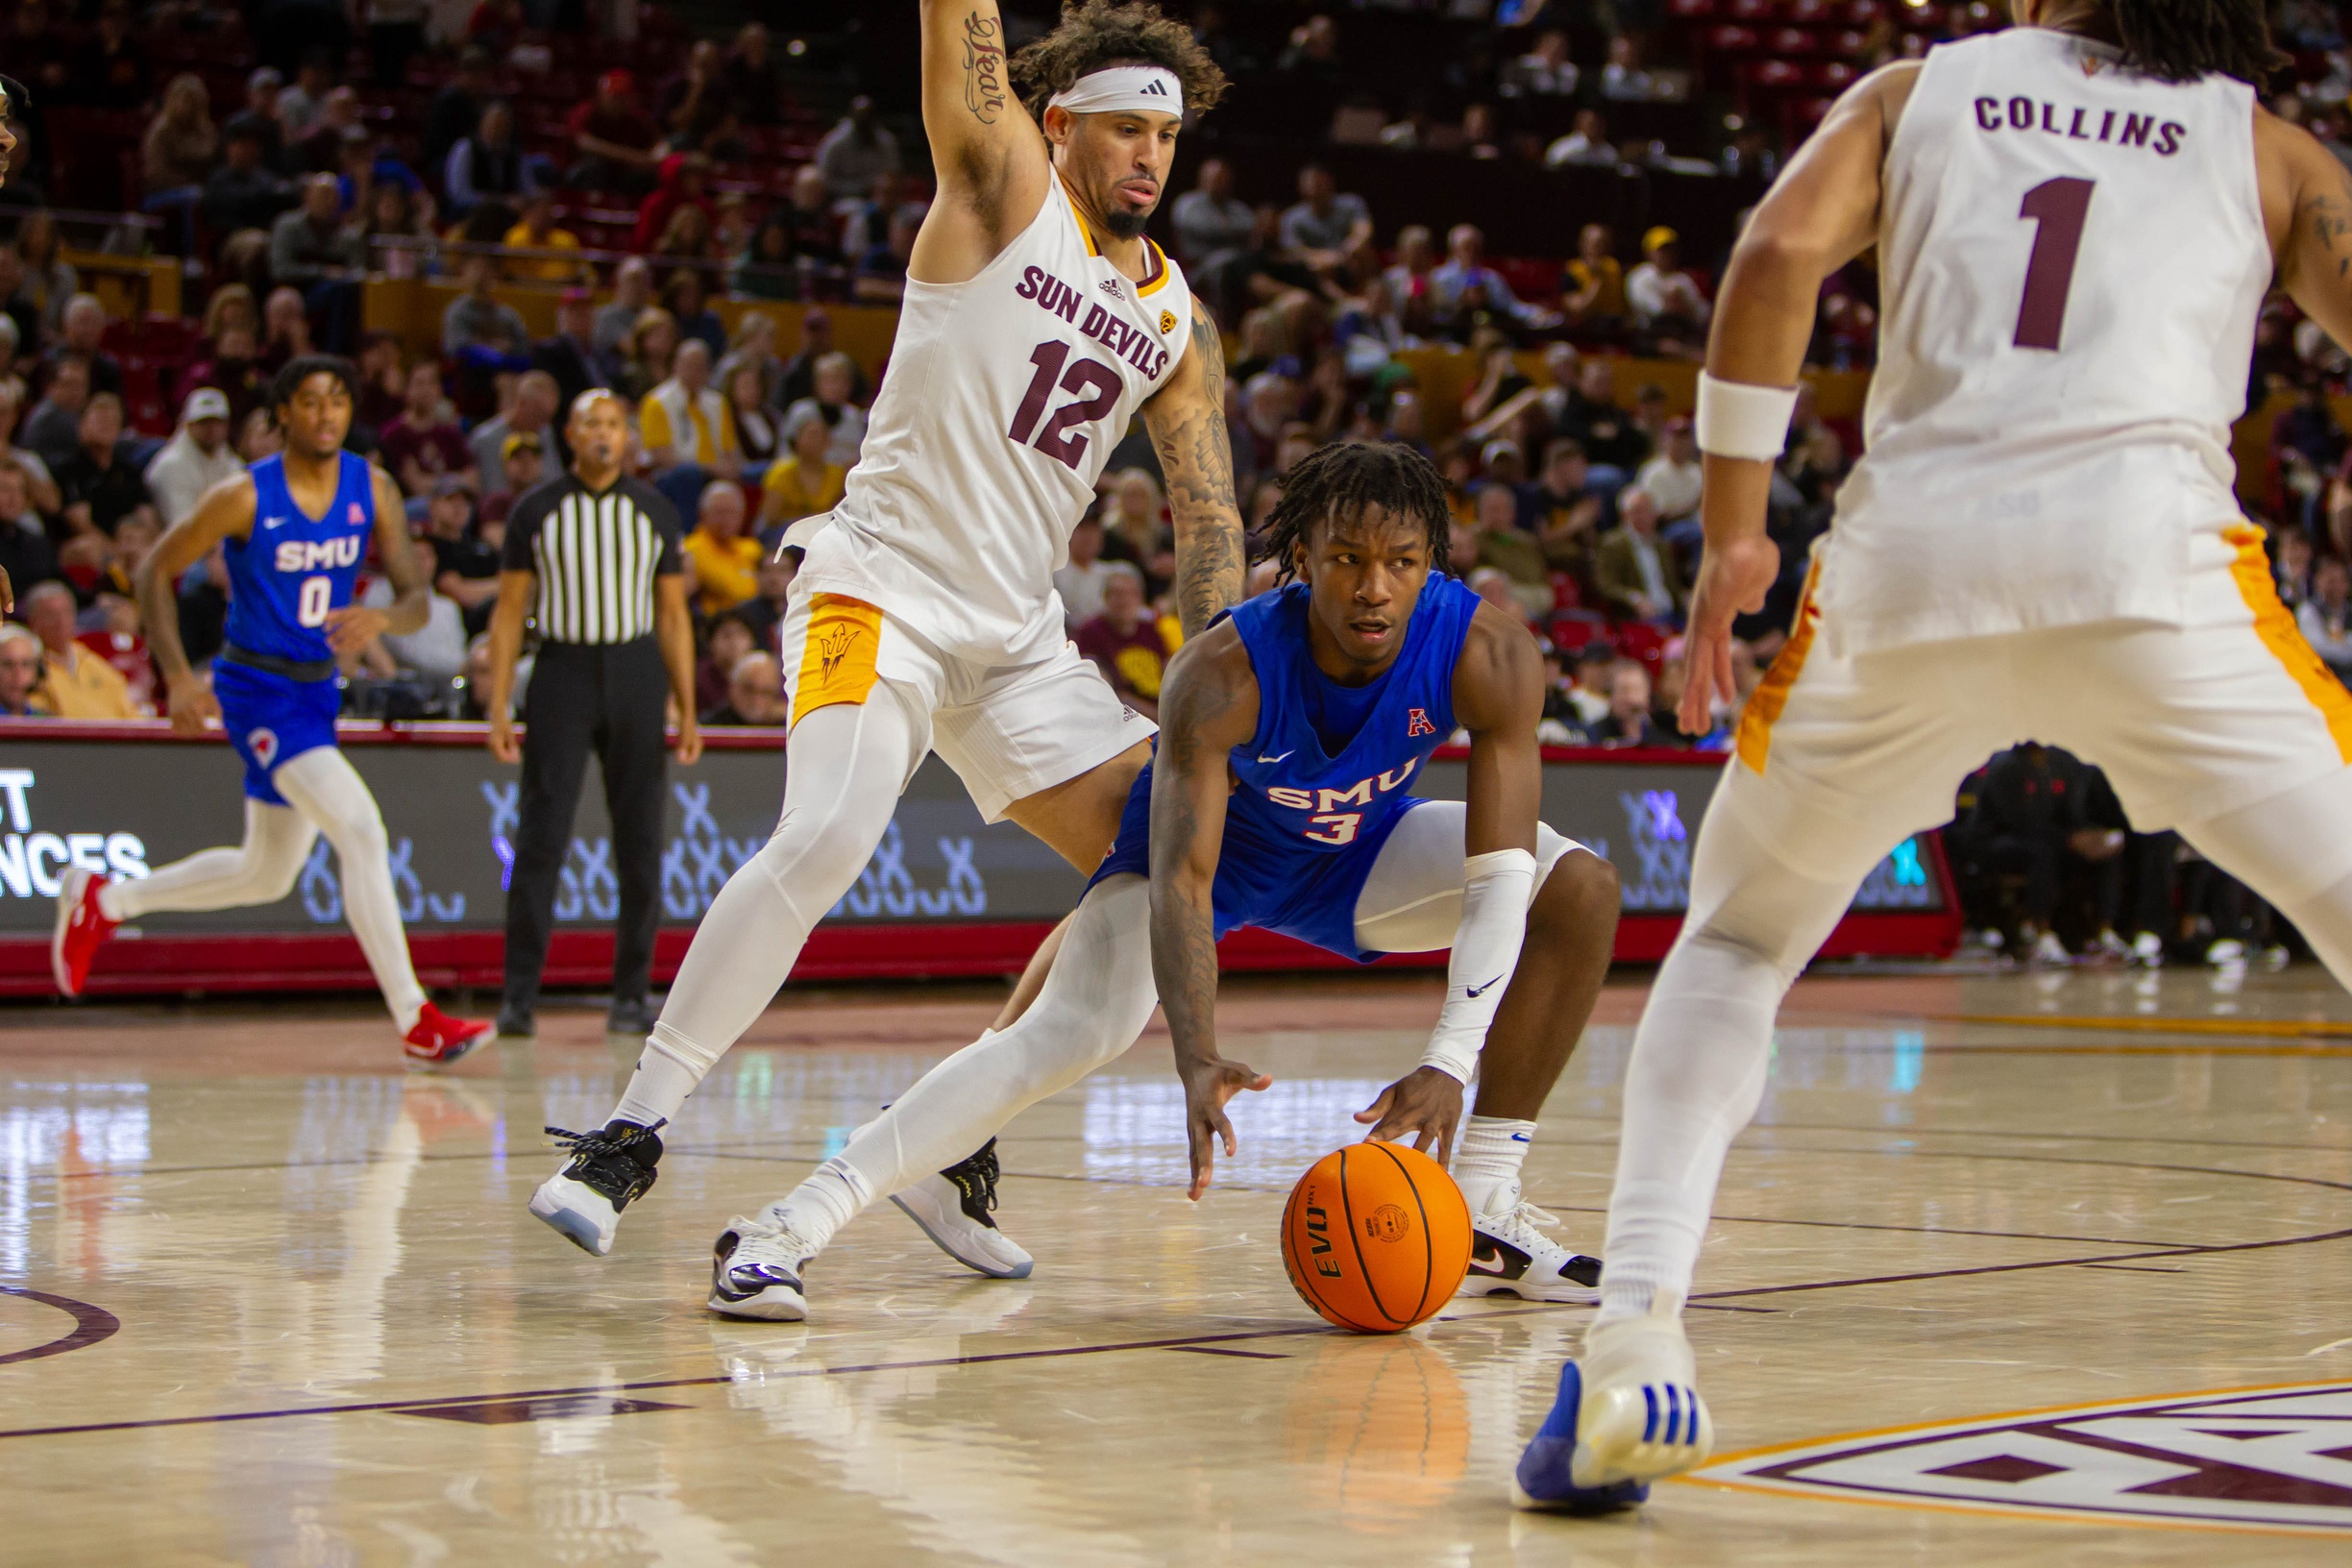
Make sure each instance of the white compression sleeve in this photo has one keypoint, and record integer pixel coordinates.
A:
(325, 787)
(1097, 999)
(260, 871)
(1496, 888)
(847, 765)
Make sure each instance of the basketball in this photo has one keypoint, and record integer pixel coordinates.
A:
(1376, 1238)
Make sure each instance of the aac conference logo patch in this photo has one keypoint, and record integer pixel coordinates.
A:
(2274, 1459)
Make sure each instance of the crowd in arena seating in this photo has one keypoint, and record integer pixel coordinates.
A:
(693, 214)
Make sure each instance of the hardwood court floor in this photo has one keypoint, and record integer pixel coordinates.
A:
(265, 1298)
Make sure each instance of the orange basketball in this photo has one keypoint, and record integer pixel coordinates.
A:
(1376, 1237)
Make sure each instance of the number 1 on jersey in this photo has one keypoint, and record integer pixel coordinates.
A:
(2057, 209)
(1099, 383)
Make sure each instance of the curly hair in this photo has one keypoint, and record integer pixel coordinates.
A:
(1097, 33)
(1347, 477)
(294, 372)
(2180, 40)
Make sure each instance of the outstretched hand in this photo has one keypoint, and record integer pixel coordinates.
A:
(1207, 1086)
(1425, 1105)
(1733, 578)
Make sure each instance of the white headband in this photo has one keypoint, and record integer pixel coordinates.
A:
(1131, 87)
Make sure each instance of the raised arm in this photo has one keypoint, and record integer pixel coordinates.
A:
(226, 511)
(1208, 706)
(1820, 214)
(987, 153)
(1187, 420)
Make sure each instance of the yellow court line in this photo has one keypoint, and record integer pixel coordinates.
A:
(2011, 1510)
(2142, 1024)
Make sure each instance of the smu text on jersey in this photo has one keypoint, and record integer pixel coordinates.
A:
(320, 554)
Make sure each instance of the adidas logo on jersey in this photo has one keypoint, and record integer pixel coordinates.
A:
(1110, 287)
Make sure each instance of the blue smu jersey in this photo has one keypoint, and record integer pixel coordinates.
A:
(292, 569)
(1293, 795)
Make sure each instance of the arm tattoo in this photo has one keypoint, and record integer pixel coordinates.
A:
(1196, 453)
(2331, 224)
(984, 69)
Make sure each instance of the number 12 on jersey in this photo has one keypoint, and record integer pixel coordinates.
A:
(2057, 209)
(1096, 384)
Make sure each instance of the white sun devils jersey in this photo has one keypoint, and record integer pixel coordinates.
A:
(1002, 402)
(2071, 258)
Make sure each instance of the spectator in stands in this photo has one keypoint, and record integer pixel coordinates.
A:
(1211, 225)
(1136, 527)
(730, 643)
(754, 87)
(421, 444)
(1600, 424)
(1465, 270)
(803, 483)
(1329, 231)
(336, 129)
(753, 346)
(1565, 510)
(233, 369)
(457, 109)
(23, 314)
(1082, 582)
(311, 249)
(259, 117)
(100, 487)
(882, 271)
(285, 329)
(41, 488)
(768, 269)
(799, 374)
(1544, 71)
(26, 555)
(177, 156)
(1595, 300)
(2294, 571)
(2306, 445)
(1627, 722)
(694, 112)
(1125, 641)
(1634, 570)
(108, 70)
(1671, 478)
(436, 651)
(569, 356)
(615, 141)
(644, 356)
(20, 672)
(755, 695)
(258, 437)
(464, 567)
(632, 293)
(396, 234)
(537, 231)
(523, 457)
(245, 191)
(1664, 298)
(686, 295)
(53, 430)
(684, 420)
(1411, 280)
(1311, 57)
(1586, 145)
(2325, 615)
(301, 105)
(756, 431)
(75, 683)
(688, 236)
(196, 458)
(681, 182)
(855, 151)
(866, 222)
(1623, 78)
(1500, 383)
(478, 329)
(834, 383)
(498, 26)
(816, 235)
(50, 281)
(721, 555)
(531, 412)
(489, 163)
(1481, 136)
(764, 612)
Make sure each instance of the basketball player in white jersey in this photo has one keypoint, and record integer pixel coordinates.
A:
(1037, 321)
(2076, 220)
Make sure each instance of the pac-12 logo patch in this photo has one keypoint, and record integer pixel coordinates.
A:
(1167, 322)
(1417, 722)
(263, 745)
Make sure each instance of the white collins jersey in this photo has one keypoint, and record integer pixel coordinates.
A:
(2071, 258)
(1003, 399)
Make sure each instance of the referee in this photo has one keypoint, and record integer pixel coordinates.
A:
(596, 558)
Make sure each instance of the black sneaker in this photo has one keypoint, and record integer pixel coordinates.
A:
(630, 1016)
(954, 1207)
(517, 1023)
(609, 1172)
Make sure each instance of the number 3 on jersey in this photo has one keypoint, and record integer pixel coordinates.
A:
(1096, 386)
(315, 598)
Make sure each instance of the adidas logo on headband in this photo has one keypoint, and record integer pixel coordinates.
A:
(1115, 87)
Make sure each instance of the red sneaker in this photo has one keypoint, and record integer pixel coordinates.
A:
(80, 928)
(440, 1040)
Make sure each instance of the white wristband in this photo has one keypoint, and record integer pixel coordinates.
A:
(1497, 888)
(1739, 420)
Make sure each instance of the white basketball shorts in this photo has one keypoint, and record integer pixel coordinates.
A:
(1007, 731)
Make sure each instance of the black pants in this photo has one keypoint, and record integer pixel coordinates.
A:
(607, 699)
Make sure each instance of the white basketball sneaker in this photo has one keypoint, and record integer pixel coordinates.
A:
(1628, 1414)
(608, 1171)
(756, 1268)
(953, 1208)
(1510, 1257)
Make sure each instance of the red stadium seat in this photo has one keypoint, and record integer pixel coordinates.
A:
(1793, 43)
(1730, 41)
(1750, 10)
(1863, 13)
(1692, 11)
(1638, 640)
(1810, 13)
(1851, 45)
(1833, 75)
(1772, 75)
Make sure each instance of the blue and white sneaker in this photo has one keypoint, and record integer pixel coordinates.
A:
(1628, 1414)
(757, 1268)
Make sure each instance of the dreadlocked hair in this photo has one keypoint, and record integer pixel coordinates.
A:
(1347, 476)
(2180, 40)
(1095, 34)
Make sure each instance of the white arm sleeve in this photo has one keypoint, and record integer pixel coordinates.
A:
(1496, 890)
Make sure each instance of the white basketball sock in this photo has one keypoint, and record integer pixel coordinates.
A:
(325, 787)
(260, 871)
(1487, 1154)
(833, 1195)
(847, 765)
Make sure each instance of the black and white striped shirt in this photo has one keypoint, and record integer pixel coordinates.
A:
(595, 554)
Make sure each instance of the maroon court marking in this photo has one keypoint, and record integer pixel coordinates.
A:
(91, 1324)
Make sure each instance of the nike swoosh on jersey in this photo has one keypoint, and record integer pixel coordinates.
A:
(1277, 759)
(1474, 992)
(276, 522)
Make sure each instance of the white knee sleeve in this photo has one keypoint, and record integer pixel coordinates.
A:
(260, 871)
(1095, 1002)
(326, 787)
